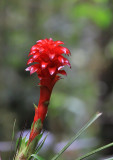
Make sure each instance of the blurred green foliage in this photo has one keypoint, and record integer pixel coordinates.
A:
(100, 15)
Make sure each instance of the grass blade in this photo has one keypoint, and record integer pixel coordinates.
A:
(95, 151)
(94, 118)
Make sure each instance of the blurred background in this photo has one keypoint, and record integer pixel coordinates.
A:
(86, 27)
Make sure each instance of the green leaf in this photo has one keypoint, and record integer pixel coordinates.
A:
(97, 115)
(39, 137)
(35, 106)
(95, 151)
(17, 141)
(41, 145)
(36, 150)
(22, 147)
(37, 157)
(23, 143)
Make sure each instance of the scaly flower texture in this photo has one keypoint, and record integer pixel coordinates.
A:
(47, 61)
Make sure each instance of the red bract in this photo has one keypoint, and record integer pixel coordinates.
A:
(47, 60)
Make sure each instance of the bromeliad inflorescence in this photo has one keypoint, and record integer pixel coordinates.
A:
(48, 63)
(47, 60)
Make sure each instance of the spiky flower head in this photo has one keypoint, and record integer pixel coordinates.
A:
(47, 61)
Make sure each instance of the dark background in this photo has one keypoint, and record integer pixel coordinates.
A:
(86, 27)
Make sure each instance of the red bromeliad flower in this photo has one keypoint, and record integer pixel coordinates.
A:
(47, 61)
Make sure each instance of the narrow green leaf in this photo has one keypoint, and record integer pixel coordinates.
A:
(39, 137)
(17, 141)
(95, 151)
(35, 106)
(36, 157)
(96, 116)
(41, 145)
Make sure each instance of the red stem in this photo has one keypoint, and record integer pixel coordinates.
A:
(40, 111)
